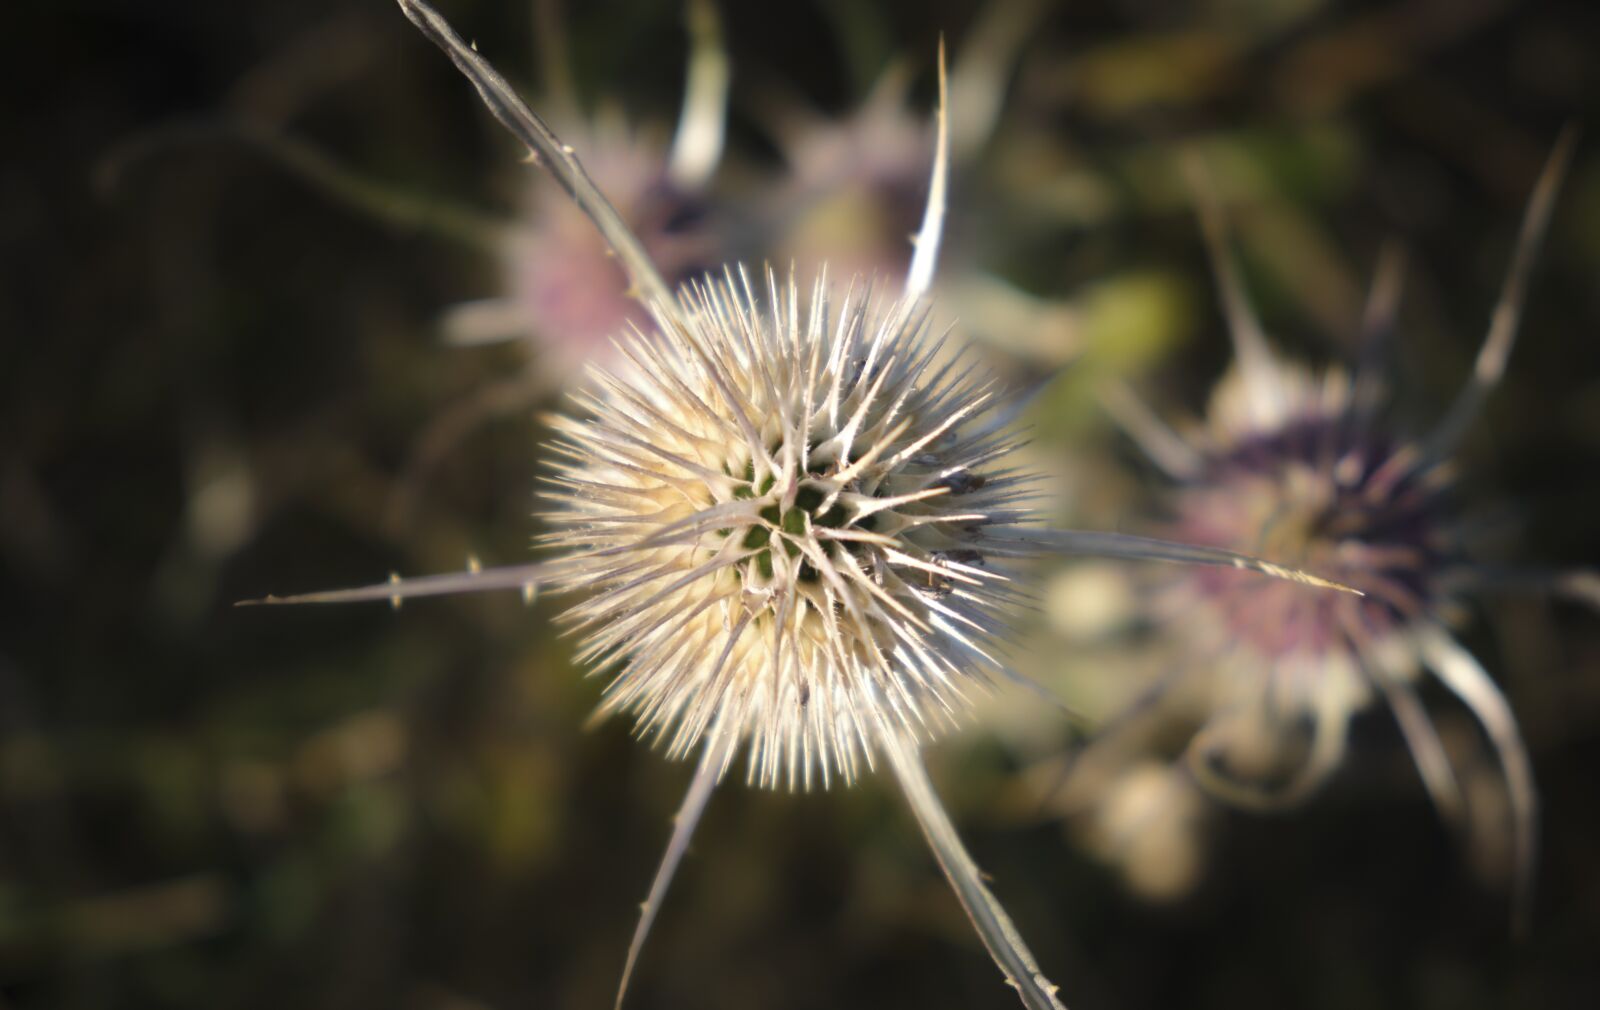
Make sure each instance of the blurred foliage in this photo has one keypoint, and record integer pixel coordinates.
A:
(213, 375)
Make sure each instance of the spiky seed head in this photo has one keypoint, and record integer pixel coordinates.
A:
(779, 507)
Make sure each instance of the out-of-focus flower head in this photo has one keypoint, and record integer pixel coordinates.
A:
(1302, 467)
(562, 290)
(855, 183)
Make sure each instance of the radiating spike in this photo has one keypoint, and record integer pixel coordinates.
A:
(995, 928)
(1490, 366)
(1123, 545)
(1460, 671)
(712, 761)
(480, 580)
(925, 258)
(558, 158)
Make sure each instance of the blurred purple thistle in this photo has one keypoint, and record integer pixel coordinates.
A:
(1297, 467)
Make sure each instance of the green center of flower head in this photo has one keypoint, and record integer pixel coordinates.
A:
(783, 517)
(815, 506)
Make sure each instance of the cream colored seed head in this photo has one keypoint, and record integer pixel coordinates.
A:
(778, 508)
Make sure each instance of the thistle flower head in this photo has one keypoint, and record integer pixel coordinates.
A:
(781, 512)
(1311, 486)
(1302, 468)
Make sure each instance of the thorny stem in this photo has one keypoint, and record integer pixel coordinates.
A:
(713, 761)
(999, 934)
(546, 147)
(524, 578)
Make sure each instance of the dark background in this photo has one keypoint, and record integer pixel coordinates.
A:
(210, 375)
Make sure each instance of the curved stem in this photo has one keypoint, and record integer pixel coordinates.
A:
(1461, 672)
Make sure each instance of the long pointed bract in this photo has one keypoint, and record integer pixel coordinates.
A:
(1377, 326)
(1461, 672)
(561, 161)
(1490, 367)
(1123, 545)
(987, 58)
(1249, 342)
(925, 258)
(526, 579)
(1427, 750)
(712, 761)
(999, 934)
(1329, 740)
(697, 147)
